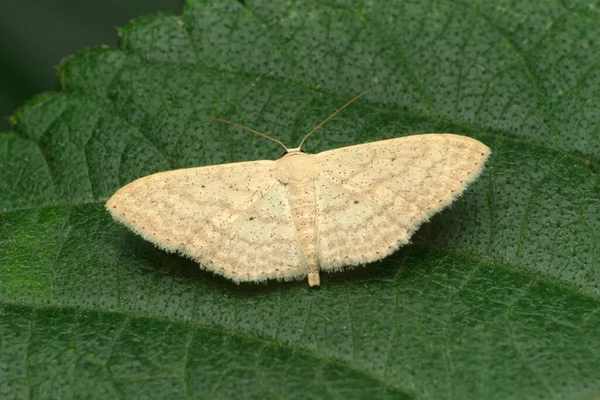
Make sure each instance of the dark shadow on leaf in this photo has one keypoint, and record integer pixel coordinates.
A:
(163, 264)
(398, 266)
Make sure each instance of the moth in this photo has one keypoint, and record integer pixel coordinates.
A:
(303, 213)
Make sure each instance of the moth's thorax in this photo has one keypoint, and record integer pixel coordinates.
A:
(296, 166)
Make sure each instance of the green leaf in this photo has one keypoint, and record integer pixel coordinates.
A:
(498, 296)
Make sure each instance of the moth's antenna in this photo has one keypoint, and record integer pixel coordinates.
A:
(249, 130)
(333, 115)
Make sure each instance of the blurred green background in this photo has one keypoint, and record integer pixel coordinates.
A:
(35, 35)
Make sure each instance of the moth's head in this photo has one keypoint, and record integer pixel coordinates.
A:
(292, 152)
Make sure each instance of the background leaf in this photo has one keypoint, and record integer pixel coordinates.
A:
(30, 51)
(498, 297)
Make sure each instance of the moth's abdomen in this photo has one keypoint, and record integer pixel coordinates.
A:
(301, 196)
